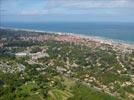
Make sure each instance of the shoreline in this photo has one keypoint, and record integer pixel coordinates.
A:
(100, 39)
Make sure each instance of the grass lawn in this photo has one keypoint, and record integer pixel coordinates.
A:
(26, 90)
(59, 95)
(34, 97)
(68, 82)
(82, 92)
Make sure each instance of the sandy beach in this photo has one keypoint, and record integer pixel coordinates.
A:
(64, 36)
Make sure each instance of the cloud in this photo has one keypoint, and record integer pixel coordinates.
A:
(87, 4)
(41, 7)
(33, 12)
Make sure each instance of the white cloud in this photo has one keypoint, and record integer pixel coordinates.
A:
(30, 7)
(88, 3)
(85, 6)
(34, 12)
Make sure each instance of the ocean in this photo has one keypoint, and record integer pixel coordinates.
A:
(122, 31)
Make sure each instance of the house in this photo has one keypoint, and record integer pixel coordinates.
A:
(21, 54)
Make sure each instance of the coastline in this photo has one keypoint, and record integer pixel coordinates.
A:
(102, 40)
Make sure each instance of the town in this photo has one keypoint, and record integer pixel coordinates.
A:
(44, 66)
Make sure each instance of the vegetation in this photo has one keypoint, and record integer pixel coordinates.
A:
(62, 70)
(82, 92)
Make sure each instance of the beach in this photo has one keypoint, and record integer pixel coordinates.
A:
(64, 36)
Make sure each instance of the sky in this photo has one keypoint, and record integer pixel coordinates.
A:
(66, 10)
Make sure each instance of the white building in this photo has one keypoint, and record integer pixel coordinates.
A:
(20, 54)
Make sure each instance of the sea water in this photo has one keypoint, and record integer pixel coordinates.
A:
(119, 31)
